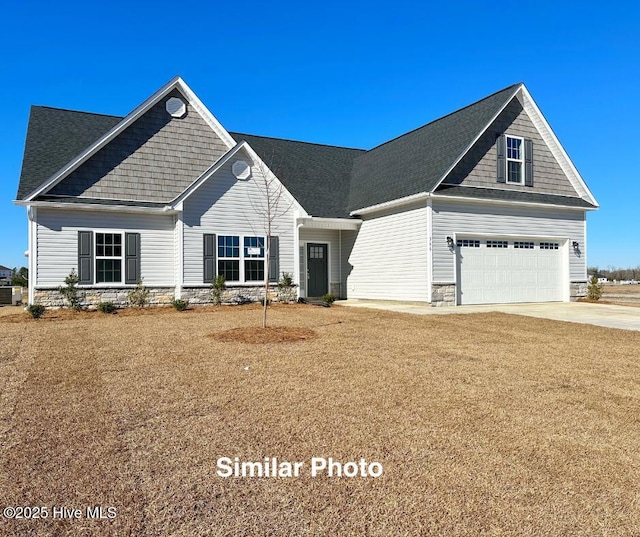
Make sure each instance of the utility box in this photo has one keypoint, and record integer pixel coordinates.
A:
(16, 296)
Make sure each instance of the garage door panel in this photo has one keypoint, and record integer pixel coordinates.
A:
(507, 274)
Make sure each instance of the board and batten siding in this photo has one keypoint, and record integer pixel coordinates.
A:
(389, 257)
(57, 243)
(225, 205)
(455, 218)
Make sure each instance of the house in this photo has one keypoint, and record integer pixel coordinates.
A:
(6, 274)
(480, 206)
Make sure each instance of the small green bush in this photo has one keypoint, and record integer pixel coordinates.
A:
(138, 297)
(329, 298)
(286, 281)
(36, 310)
(594, 289)
(70, 290)
(107, 307)
(218, 285)
(180, 304)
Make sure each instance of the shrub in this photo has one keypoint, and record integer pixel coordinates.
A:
(594, 289)
(329, 298)
(218, 285)
(138, 297)
(70, 290)
(180, 304)
(286, 281)
(36, 310)
(107, 307)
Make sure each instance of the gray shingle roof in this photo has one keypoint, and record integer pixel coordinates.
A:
(416, 161)
(511, 195)
(54, 137)
(318, 176)
(328, 181)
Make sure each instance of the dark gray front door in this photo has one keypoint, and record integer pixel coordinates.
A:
(317, 269)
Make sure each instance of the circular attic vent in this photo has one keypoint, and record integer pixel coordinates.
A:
(176, 107)
(241, 169)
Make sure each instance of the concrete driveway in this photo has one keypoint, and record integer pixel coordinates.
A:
(625, 317)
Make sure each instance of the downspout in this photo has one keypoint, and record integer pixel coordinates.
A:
(31, 263)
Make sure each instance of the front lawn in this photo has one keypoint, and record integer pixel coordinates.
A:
(489, 424)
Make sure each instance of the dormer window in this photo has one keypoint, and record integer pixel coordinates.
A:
(515, 160)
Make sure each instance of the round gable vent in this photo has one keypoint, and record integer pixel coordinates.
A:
(241, 169)
(176, 107)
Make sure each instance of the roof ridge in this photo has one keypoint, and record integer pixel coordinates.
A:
(76, 111)
(446, 116)
(299, 141)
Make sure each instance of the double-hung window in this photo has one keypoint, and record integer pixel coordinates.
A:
(229, 257)
(108, 257)
(254, 259)
(515, 159)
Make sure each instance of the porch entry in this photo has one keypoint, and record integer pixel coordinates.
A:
(317, 270)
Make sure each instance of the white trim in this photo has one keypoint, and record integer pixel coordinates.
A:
(178, 202)
(519, 161)
(296, 255)
(549, 137)
(315, 222)
(179, 277)
(429, 249)
(511, 202)
(111, 257)
(32, 262)
(98, 207)
(482, 131)
(174, 83)
(242, 258)
(407, 200)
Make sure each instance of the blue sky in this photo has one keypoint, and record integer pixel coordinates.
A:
(352, 74)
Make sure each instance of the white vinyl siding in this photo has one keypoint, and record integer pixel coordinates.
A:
(57, 242)
(456, 218)
(225, 205)
(389, 257)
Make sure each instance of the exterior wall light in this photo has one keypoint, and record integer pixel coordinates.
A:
(450, 242)
(575, 245)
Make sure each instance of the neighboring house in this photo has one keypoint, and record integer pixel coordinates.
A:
(480, 206)
(6, 274)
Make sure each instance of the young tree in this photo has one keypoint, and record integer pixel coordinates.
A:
(270, 206)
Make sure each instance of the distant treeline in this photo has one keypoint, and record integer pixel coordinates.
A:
(615, 273)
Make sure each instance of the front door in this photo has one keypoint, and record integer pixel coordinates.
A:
(317, 270)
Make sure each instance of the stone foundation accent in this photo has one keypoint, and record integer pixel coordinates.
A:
(91, 297)
(443, 294)
(577, 290)
(240, 294)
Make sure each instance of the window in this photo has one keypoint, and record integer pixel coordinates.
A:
(108, 257)
(548, 246)
(497, 244)
(254, 259)
(515, 159)
(229, 257)
(468, 243)
(238, 264)
(527, 245)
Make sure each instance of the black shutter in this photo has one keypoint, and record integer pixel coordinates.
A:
(85, 257)
(528, 163)
(132, 258)
(209, 249)
(502, 161)
(274, 259)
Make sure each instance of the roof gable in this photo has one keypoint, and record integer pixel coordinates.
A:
(175, 84)
(417, 161)
(153, 159)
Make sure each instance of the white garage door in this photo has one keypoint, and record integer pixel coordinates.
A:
(499, 271)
